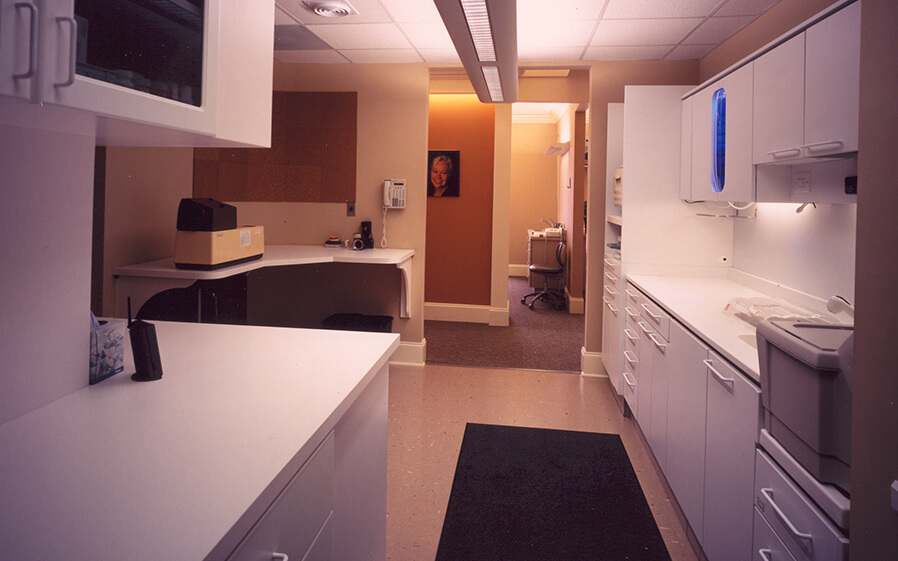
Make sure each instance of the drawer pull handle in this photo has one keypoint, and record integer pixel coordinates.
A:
(645, 329)
(32, 42)
(720, 377)
(611, 291)
(609, 262)
(630, 358)
(765, 554)
(609, 304)
(627, 379)
(611, 277)
(630, 334)
(785, 153)
(279, 557)
(632, 293)
(631, 312)
(805, 540)
(657, 342)
(655, 317)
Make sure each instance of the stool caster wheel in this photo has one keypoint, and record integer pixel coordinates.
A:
(531, 305)
(523, 301)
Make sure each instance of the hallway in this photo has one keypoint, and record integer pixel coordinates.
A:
(429, 407)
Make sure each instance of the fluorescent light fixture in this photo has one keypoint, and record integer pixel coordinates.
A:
(484, 33)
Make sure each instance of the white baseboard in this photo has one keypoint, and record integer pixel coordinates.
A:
(410, 353)
(466, 313)
(591, 364)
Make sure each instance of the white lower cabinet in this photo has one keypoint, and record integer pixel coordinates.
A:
(297, 522)
(733, 424)
(686, 398)
(701, 418)
(611, 321)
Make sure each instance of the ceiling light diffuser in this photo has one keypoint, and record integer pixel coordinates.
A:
(330, 8)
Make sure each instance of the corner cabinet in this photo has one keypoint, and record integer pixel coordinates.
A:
(806, 92)
(216, 87)
(721, 143)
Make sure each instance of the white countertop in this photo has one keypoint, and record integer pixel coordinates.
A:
(273, 256)
(698, 304)
(164, 469)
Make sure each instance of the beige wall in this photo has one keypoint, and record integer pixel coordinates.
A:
(533, 184)
(874, 452)
(143, 189)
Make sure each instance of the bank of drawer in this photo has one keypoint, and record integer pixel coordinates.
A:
(804, 529)
(612, 263)
(630, 388)
(766, 546)
(297, 518)
(658, 318)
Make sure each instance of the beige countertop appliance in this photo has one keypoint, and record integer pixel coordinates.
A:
(208, 237)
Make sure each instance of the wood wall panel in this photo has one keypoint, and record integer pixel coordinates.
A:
(312, 156)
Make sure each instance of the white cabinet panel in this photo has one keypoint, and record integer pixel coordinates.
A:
(738, 184)
(686, 396)
(778, 103)
(731, 434)
(686, 149)
(832, 82)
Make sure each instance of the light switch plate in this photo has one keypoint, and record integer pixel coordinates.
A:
(350, 208)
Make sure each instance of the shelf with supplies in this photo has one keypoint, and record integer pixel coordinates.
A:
(614, 219)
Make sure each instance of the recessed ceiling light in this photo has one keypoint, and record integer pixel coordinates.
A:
(330, 8)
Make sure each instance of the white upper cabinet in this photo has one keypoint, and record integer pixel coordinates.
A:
(832, 83)
(722, 140)
(167, 72)
(686, 149)
(806, 92)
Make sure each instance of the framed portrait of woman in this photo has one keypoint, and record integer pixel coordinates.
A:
(443, 173)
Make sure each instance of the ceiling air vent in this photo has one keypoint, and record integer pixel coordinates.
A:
(330, 8)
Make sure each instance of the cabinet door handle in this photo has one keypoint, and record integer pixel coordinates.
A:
(630, 358)
(32, 38)
(765, 554)
(820, 146)
(785, 153)
(73, 49)
(804, 539)
(279, 557)
(660, 344)
(627, 379)
(720, 377)
(655, 317)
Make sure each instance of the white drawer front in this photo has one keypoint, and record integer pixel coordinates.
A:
(766, 546)
(658, 319)
(630, 388)
(804, 529)
(296, 519)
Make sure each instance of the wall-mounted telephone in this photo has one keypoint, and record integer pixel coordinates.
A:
(394, 193)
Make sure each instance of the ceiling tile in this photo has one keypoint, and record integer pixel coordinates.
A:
(716, 30)
(643, 31)
(381, 56)
(413, 11)
(310, 57)
(549, 54)
(296, 38)
(647, 9)
(543, 10)
(361, 35)
(689, 52)
(427, 35)
(538, 33)
(439, 55)
(746, 7)
(626, 53)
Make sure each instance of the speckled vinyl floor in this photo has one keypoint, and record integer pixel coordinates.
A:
(429, 407)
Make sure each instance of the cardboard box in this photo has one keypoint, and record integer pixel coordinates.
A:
(214, 250)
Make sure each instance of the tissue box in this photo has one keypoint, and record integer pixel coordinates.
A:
(107, 349)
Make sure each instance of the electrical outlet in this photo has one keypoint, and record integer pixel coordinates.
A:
(350, 208)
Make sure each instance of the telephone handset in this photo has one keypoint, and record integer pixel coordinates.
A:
(394, 193)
